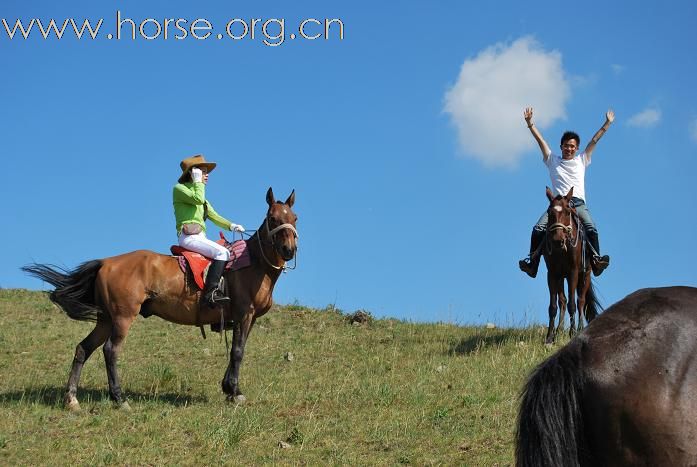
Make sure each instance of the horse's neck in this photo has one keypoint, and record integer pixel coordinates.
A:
(263, 253)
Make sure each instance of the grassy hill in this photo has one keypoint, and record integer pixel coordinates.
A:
(384, 393)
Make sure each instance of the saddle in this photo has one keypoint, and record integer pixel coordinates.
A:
(198, 264)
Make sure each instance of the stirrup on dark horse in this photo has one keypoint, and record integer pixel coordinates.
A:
(212, 295)
(529, 265)
(599, 264)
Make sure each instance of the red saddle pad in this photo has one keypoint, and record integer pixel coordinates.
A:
(239, 259)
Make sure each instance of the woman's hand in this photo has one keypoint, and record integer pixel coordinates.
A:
(196, 175)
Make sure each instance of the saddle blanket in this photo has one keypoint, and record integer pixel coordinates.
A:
(239, 259)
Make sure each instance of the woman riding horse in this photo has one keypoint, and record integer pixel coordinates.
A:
(191, 209)
(114, 291)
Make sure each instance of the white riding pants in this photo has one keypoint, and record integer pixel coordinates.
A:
(202, 245)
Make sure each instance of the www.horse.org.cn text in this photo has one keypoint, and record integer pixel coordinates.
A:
(271, 32)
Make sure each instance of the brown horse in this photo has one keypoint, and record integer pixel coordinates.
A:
(623, 392)
(563, 251)
(113, 291)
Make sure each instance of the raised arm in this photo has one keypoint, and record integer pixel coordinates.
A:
(609, 118)
(544, 147)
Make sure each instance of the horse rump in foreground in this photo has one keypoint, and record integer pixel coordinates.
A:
(623, 392)
(113, 291)
(567, 258)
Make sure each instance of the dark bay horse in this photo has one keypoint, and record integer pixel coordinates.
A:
(563, 251)
(113, 291)
(623, 392)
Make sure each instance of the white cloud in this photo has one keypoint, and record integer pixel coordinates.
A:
(693, 130)
(646, 118)
(617, 69)
(487, 101)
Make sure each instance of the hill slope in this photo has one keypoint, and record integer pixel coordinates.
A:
(387, 392)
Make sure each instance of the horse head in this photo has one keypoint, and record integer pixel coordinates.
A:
(279, 227)
(560, 225)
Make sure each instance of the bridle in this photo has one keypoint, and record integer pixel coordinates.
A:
(568, 230)
(271, 238)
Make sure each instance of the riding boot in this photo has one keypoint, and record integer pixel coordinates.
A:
(530, 264)
(212, 296)
(598, 262)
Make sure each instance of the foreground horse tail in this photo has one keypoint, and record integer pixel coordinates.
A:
(74, 290)
(550, 422)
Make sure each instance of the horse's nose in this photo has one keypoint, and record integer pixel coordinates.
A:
(288, 252)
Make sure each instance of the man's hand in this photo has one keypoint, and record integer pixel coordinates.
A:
(610, 116)
(527, 114)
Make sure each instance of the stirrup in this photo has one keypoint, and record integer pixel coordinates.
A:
(215, 298)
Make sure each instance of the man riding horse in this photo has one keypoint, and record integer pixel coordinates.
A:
(567, 171)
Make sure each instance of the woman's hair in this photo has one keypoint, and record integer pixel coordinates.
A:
(186, 178)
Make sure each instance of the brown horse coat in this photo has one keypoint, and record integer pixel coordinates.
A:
(113, 291)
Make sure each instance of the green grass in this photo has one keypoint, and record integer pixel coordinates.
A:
(384, 393)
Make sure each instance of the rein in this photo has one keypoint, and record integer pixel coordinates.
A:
(270, 234)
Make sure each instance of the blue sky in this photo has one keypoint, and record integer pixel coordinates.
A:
(416, 179)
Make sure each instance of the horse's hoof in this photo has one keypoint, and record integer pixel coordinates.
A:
(549, 345)
(71, 403)
(125, 406)
(238, 399)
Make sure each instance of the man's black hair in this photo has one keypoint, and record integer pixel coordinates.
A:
(570, 135)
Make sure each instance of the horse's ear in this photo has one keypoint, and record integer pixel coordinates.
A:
(570, 194)
(291, 199)
(550, 196)
(269, 197)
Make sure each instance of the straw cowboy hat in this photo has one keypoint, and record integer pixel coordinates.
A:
(195, 161)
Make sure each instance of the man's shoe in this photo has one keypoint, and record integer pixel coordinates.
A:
(529, 266)
(599, 264)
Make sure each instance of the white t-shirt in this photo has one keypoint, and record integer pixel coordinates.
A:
(568, 173)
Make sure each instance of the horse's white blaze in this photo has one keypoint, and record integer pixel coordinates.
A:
(557, 208)
(285, 212)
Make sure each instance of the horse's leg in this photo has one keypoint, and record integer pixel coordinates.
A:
(231, 380)
(582, 291)
(82, 352)
(111, 349)
(552, 285)
(572, 280)
(230, 384)
(562, 306)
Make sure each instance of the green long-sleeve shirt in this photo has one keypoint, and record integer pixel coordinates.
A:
(189, 199)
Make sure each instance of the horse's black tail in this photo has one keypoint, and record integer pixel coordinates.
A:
(593, 306)
(550, 422)
(74, 290)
